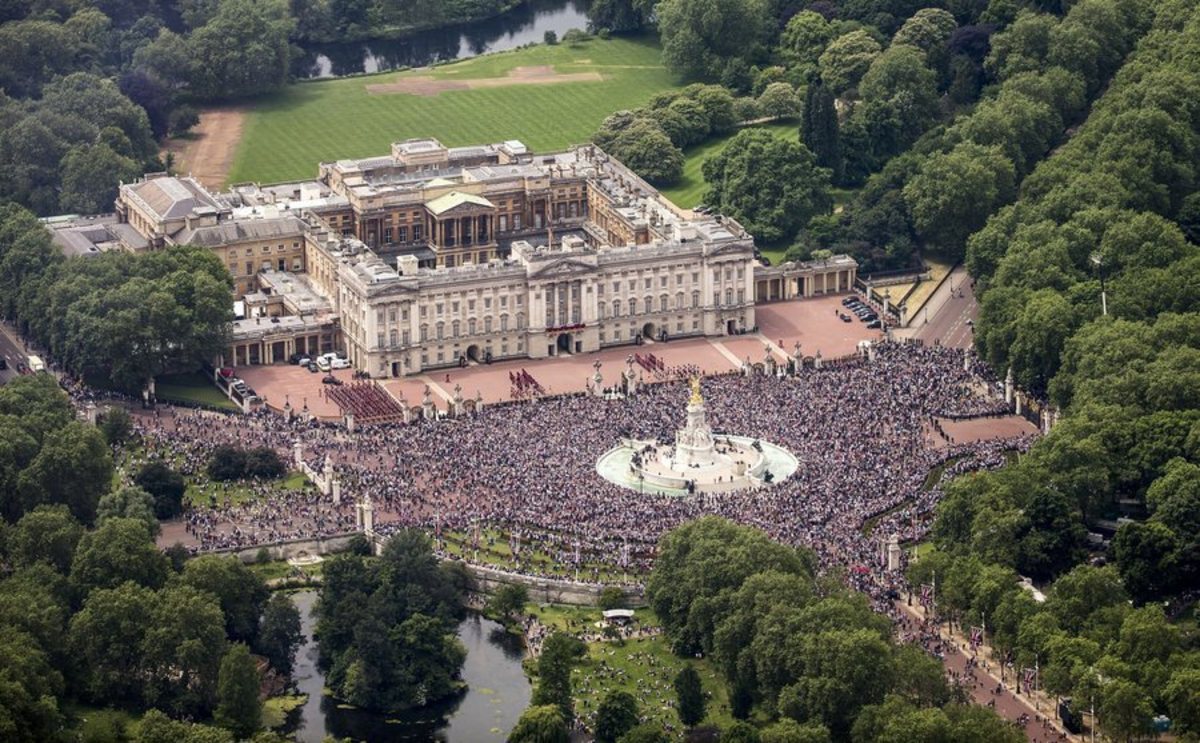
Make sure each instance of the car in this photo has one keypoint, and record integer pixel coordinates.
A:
(297, 358)
(874, 324)
(312, 367)
(303, 361)
(845, 318)
(21, 368)
(870, 318)
(849, 301)
(330, 379)
(324, 364)
(340, 363)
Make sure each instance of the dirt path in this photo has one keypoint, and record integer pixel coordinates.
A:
(429, 86)
(207, 153)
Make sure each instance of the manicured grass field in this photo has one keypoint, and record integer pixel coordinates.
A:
(192, 388)
(690, 190)
(285, 136)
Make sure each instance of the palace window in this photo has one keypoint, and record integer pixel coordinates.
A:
(648, 305)
(404, 338)
(393, 338)
(729, 296)
(416, 232)
(633, 306)
(695, 299)
(663, 303)
(471, 326)
(402, 234)
(503, 323)
(741, 295)
(387, 235)
(454, 329)
(487, 324)
(441, 330)
(424, 335)
(391, 314)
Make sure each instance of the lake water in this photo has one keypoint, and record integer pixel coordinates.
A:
(497, 693)
(525, 24)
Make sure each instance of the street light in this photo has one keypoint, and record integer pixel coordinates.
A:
(1097, 259)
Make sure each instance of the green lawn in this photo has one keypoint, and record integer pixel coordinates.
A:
(690, 190)
(645, 668)
(286, 135)
(193, 388)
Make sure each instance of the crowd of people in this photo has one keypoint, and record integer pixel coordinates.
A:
(861, 432)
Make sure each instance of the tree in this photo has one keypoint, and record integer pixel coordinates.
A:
(165, 485)
(107, 637)
(772, 186)
(241, 593)
(779, 100)
(279, 634)
(29, 687)
(700, 38)
(559, 653)
(242, 51)
(182, 651)
(647, 732)
(1143, 552)
(550, 38)
(46, 534)
(540, 724)
(819, 129)
(612, 597)
(1126, 710)
(790, 731)
(239, 709)
(509, 600)
(804, 39)
(90, 176)
(118, 550)
(117, 425)
(646, 150)
(619, 16)
(706, 560)
(1183, 700)
(227, 463)
(928, 30)
(73, 467)
(129, 502)
(847, 59)
(616, 715)
(954, 192)
(690, 696)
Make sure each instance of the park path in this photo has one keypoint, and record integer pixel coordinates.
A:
(988, 690)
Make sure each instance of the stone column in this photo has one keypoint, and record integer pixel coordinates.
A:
(1018, 398)
(427, 409)
(350, 422)
(893, 553)
(1008, 386)
(336, 492)
(298, 453)
(368, 509)
(458, 401)
(817, 360)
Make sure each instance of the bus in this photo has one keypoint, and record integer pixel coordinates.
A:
(36, 364)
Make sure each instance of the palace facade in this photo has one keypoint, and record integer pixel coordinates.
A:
(432, 257)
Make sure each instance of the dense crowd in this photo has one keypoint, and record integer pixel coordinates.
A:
(863, 434)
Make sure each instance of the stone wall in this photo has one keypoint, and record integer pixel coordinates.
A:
(487, 580)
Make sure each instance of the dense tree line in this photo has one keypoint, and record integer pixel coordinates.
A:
(387, 624)
(102, 616)
(936, 185)
(804, 653)
(87, 87)
(1110, 212)
(118, 319)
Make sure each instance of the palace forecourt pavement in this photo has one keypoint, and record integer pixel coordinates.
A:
(811, 322)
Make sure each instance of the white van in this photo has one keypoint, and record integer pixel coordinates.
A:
(324, 363)
(36, 364)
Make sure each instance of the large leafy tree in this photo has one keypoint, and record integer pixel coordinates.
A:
(74, 467)
(238, 708)
(117, 551)
(955, 191)
(107, 637)
(279, 633)
(772, 186)
(616, 715)
(702, 38)
(242, 51)
(540, 724)
(241, 593)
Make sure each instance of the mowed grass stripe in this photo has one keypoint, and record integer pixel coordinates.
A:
(286, 135)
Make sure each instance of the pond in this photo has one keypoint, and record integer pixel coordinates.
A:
(497, 693)
(525, 24)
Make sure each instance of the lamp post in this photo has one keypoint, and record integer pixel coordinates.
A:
(1097, 259)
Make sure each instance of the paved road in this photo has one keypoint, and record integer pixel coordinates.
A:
(11, 350)
(950, 314)
(983, 684)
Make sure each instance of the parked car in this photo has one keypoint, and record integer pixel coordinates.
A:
(340, 364)
(324, 364)
(21, 368)
(297, 358)
(303, 361)
(312, 367)
(847, 301)
(330, 379)
(874, 324)
(845, 318)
